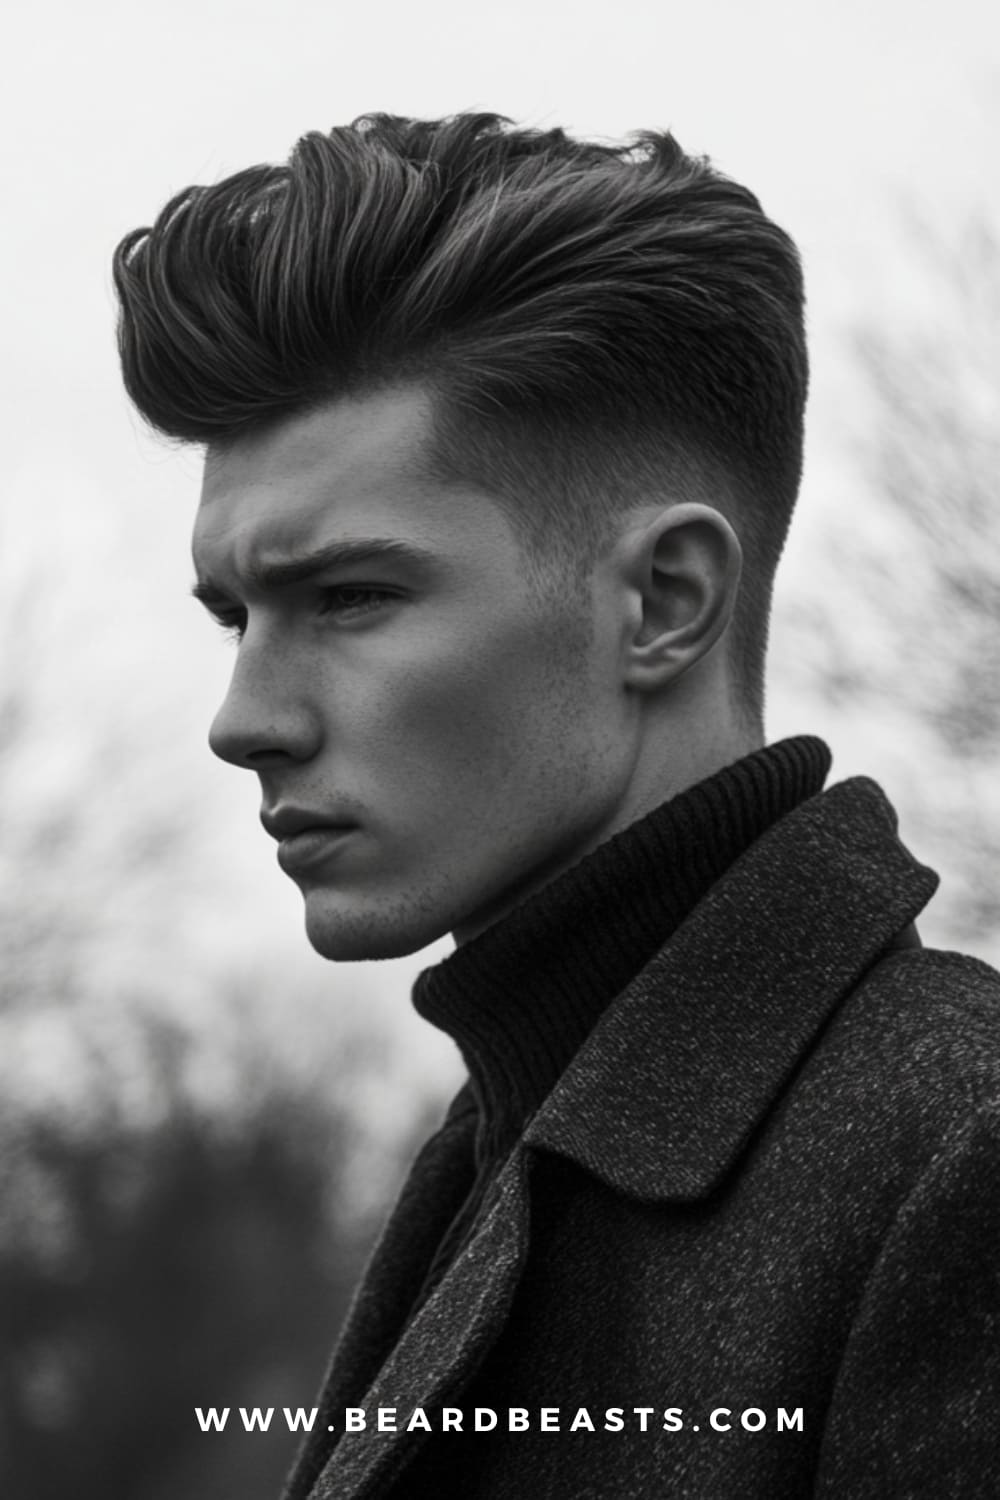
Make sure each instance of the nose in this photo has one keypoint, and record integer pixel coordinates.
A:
(264, 720)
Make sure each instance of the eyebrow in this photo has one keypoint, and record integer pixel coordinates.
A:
(270, 576)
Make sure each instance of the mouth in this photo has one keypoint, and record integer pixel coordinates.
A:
(312, 847)
(305, 839)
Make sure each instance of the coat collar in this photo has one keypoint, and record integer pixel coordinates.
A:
(662, 1097)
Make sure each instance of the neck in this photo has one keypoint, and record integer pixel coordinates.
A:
(665, 767)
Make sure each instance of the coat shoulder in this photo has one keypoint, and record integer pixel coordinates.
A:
(944, 1004)
(916, 1044)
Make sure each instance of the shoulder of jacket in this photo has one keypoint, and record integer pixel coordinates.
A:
(938, 986)
(922, 1030)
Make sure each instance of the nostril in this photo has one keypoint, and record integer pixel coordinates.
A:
(267, 757)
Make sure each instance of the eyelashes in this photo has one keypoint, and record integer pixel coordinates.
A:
(354, 599)
(232, 626)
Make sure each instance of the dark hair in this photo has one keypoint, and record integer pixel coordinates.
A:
(594, 322)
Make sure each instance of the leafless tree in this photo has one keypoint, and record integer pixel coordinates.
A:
(906, 625)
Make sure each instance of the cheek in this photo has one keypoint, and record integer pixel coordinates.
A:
(472, 710)
(560, 741)
(487, 713)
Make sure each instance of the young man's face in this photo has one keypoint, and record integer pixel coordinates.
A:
(434, 735)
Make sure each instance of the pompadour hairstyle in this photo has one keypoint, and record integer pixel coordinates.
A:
(596, 324)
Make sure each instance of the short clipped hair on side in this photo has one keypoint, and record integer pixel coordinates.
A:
(596, 324)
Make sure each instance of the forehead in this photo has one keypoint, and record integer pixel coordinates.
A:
(351, 469)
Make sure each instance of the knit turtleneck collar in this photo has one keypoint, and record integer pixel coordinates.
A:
(520, 998)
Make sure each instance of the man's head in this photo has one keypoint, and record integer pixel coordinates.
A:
(561, 379)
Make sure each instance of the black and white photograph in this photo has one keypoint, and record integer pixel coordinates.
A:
(500, 751)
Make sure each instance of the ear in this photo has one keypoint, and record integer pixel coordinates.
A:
(683, 570)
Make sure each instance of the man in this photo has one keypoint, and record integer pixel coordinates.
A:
(503, 435)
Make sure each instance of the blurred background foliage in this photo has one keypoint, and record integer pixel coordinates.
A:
(201, 1124)
(899, 621)
(199, 1127)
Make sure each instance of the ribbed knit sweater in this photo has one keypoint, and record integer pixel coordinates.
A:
(520, 998)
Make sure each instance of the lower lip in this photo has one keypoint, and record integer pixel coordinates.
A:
(311, 848)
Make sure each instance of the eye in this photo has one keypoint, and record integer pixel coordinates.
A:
(345, 601)
(353, 599)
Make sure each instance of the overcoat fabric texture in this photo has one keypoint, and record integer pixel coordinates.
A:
(767, 1183)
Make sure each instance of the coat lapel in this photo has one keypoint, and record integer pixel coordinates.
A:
(432, 1194)
(441, 1347)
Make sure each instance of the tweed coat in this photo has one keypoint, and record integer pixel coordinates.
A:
(767, 1183)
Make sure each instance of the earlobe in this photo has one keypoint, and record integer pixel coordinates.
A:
(686, 566)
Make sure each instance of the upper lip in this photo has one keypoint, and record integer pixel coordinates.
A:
(286, 822)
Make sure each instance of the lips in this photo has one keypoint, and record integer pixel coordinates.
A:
(285, 821)
(306, 839)
(314, 846)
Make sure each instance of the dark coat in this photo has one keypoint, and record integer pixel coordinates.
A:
(768, 1180)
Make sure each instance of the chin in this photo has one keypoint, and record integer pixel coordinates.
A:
(353, 935)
